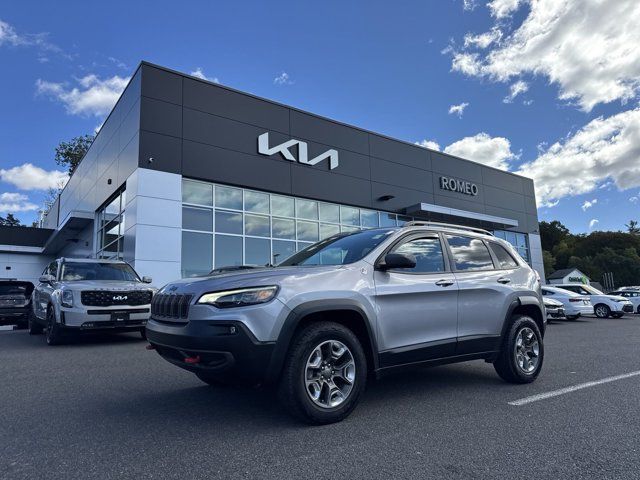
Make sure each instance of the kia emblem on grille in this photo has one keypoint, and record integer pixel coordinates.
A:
(119, 298)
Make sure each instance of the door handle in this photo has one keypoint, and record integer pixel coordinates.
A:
(504, 280)
(444, 283)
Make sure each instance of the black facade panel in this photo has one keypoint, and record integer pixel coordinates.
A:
(166, 152)
(312, 183)
(161, 117)
(391, 173)
(497, 197)
(130, 125)
(309, 127)
(442, 192)
(208, 98)
(351, 163)
(162, 85)
(402, 197)
(503, 180)
(399, 152)
(455, 167)
(206, 162)
(24, 236)
(452, 201)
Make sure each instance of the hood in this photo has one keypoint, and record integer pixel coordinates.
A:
(109, 285)
(245, 278)
(616, 298)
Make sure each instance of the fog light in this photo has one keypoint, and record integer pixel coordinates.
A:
(232, 329)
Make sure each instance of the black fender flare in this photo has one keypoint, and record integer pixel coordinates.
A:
(293, 320)
(520, 301)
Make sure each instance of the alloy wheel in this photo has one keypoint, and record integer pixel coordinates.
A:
(330, 374)
(601, 311)
(527, 350)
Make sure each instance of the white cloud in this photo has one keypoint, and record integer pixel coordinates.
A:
(593, 223)
(198, 72)
(482, 148)
(588, 204)
(634, 199)
(483, 40)
(30, 177)
(92, 96)
(586, 47)
(458, 109)
(16, 202)
(605, 150)
(10, 36)
(515, 90)
(503, 8)
(283, 79)
(430, 144)
(468, 5)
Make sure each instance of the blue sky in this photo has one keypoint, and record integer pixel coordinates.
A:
(440, 71)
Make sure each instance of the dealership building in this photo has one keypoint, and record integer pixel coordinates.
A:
(186, 175)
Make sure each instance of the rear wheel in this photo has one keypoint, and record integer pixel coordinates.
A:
(324, 375)
(522, 353)
(53, 334)
(602, 311)
(32, 323)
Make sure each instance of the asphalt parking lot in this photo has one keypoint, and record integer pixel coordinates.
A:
(108, 408)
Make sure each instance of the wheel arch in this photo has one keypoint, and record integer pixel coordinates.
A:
(529, 306)
(345, 312)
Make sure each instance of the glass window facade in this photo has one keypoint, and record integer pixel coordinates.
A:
(519, 240)
(225, 226)
(110, 221)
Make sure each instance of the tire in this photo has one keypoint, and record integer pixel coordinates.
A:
(638, 309)
(328, 345)
(53, 335)
(573, 317)
(32, 324)
(513, 364)
(602, 311)
(143, 333)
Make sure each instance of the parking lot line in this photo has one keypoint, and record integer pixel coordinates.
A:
(563, 391)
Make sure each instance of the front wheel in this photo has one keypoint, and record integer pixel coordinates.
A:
(522, 353)
(324, 375)
(32, 324)
(53, 334)
(602, 311)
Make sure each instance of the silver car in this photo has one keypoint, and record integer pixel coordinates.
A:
(88, 295)
(575, 305)
(355, 306)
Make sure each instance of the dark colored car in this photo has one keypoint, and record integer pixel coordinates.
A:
(15, 302)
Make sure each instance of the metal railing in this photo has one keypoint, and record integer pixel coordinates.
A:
(424, 223)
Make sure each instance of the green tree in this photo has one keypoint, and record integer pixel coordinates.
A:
(632, 227)
(69, 154)
(549, 261)
(552, 233)
(10, 221)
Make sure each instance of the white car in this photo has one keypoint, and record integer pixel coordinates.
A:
(554, 309)
(604, 306)
(631, 294)
(575, 305)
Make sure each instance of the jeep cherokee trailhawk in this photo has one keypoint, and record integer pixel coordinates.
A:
(352, 306)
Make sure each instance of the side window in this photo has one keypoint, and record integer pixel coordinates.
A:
(428, 254)
(547, 292)
(53, 269)
(469, 254)
(505, 260)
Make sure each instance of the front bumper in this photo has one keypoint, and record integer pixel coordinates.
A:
(91, 318)
(579, 310)
(555, 312)
(618, 307)
(224, 350)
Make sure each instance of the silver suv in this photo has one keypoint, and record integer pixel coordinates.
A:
(353, 306)
(81, 295)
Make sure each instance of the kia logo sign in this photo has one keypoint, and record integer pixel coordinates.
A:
(303, 155)
(460, 186)
(120, 298)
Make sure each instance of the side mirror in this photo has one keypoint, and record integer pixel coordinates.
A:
(397, 260)
(47, 278)
(147, 279)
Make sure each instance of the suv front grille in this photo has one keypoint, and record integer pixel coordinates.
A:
(170, 306)
(107, 298)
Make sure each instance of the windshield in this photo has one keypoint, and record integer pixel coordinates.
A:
(339, 249)
(591, 290)
(74, 271)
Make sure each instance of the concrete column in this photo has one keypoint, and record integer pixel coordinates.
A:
(535, 251)
(153, 224)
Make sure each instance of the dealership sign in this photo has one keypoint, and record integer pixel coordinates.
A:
(303, 155)
(460, 186)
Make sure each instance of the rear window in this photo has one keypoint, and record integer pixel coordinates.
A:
(15, 289)
(505, 260)
(469, 254)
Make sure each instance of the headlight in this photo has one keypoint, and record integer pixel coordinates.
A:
(240, 297)
(67, 298)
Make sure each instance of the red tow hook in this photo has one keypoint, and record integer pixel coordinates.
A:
(150, 347)
(192, 360)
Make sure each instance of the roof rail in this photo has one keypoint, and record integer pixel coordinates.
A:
(422, 223)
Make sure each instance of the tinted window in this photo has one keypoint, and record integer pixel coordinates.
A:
(428, 254)
(505, 260)
(469, 253)
(75, 271)
(53, 269)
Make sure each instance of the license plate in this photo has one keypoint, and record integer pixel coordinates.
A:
(119, 317)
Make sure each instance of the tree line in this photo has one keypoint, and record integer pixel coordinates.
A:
(593, 254)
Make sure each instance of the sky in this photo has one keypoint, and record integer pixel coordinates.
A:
(544, 88)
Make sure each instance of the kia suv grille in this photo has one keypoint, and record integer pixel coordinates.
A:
(106, 298)
(170, 306)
